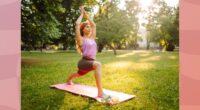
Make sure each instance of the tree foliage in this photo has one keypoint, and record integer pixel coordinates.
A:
(39, 24)
(116, 27)
(49, 22)
(46, 22)
(163, 26)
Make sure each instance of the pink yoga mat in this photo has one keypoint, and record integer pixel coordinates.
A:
(91, 91)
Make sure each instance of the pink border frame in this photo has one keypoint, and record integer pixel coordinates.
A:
(10, 55)
(189, 55)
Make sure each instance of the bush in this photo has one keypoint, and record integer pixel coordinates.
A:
(53, 47)
(170, 47)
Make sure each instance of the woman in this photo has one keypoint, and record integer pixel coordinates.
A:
(86, 45)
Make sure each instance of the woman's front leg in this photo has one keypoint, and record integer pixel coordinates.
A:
(97, 66)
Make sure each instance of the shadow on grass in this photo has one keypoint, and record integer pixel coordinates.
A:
(45, 99)
(35, 61)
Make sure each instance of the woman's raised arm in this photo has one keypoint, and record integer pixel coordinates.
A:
(93, 25)
(77, 28)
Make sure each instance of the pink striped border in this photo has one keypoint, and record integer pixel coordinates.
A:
(10, 55)
(189, 55)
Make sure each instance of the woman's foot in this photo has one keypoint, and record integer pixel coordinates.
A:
(70, 83)
(105, 98)
(102, 95)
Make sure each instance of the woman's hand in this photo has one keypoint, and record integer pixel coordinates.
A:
(86, 15)
(82, 10)
(93, 25)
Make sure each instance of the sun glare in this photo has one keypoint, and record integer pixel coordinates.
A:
(145, 3)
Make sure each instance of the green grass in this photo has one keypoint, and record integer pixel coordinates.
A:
(152, 77)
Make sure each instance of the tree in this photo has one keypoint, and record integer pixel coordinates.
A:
(132, 10)
(163, 25)
(115, 26)
(50, 22)
(39, 23)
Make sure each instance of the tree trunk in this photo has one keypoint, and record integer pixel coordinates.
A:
(41, 49)
(170, 46)
(41, 46)
(65, 43)
(115, 51)
(147, 46)
(148, 43)
(100, 47)
(65, 46)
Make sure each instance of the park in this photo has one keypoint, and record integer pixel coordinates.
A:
(138, 57)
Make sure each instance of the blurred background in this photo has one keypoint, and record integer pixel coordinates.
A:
(121, 24)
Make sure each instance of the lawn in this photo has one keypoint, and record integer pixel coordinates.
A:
(152, 77)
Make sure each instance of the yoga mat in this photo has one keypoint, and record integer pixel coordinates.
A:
(91, 91)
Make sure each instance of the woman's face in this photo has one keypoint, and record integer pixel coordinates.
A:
(87, 29)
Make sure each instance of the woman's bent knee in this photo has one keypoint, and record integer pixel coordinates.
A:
(96, 64)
